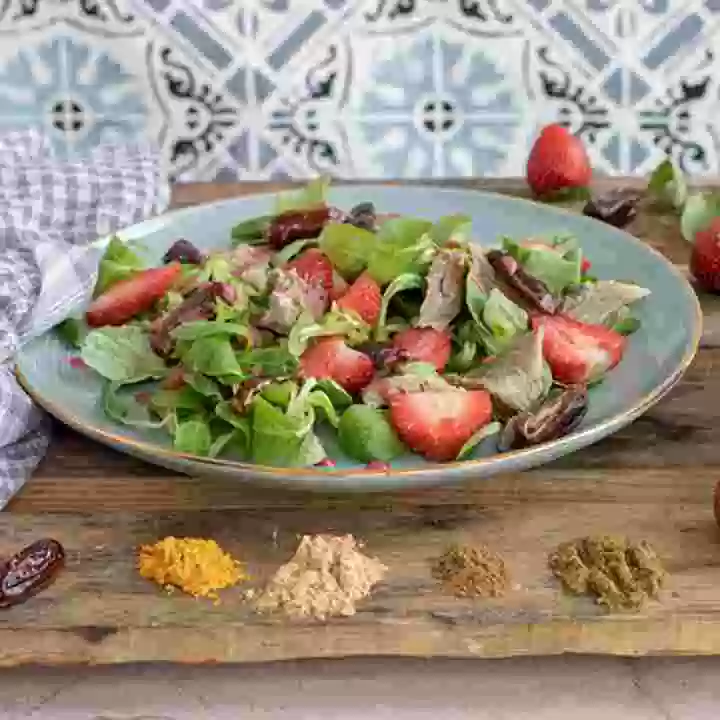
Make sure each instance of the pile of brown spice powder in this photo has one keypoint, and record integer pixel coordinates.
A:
(471, 572)
(620, 574)
(326, 577)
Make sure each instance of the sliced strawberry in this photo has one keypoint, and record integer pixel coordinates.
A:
(424, 345)
(578, 352)
(128, 298)
(557, 161)
(705, 257)
(364, 298)
(314, 267)
(331, 358)
(585, 266)
(339, 287)
(437, 424)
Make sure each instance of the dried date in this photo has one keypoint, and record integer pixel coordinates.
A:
(363, 216)
(559, 415)
(300, 225)
(185, 252)
(524, 285)
(31, 570)
(617, 207)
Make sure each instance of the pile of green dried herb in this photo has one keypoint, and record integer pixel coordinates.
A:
(471, 572)
(621, 575)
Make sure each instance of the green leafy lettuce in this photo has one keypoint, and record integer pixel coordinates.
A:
(402, 246)
(556, 262)
(349, 248)
(122, 354)
(119, 262)
(366, 434)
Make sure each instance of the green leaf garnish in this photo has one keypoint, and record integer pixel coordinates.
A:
(365, 434)
(349, 248)
(699, 211)
(668, 184)
(489, 430)
(408, 281)
(124, 407)
(454, 228)
(402, 246)
(311, 196)
(252, 231)
(193, 437)
(122, 354)
(119, 262)
(73, 331)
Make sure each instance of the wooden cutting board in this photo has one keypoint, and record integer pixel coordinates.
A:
(653, 479)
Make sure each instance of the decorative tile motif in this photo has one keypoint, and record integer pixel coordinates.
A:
(267, 89)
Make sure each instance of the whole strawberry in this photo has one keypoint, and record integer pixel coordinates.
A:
(705, 257)
(557, 162)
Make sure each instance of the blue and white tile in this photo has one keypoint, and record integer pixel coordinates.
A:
(264, 89)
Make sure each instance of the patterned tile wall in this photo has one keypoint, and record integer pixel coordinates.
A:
(261, 89)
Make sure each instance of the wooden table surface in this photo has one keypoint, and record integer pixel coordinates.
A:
(654, 478)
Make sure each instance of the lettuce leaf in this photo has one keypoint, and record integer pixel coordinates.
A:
(313, 195)
(349, 248)
(556, 262)
(336, 322)
(119, 262)
(122, 354)
(451, 228)
(283, 438)
(408, 281)
(124, 407)
(519, 377)
(402, 246)
(599, 303)
(365, 434)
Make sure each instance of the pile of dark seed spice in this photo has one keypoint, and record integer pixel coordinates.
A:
(471, 572)
(621, 575)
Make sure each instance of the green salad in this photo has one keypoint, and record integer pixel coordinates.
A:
(398, 334)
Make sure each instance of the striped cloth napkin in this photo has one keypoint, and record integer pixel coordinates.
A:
(52, 212)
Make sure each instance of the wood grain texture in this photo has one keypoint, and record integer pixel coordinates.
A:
(654, 478)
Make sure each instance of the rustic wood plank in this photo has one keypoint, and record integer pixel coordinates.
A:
(101, 611)
(654, 479)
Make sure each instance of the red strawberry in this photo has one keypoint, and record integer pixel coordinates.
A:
(557, 161)
(364, 298)
(578, 352)
(332, 358)
(313, 266)
(339, 287)
(128, 298)
(437, 424)
(705, 257)
(424, 345)
(585, 266)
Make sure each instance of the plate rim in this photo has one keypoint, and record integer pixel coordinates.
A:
(522, 456)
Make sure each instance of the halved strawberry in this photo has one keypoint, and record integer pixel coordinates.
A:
(128, 298)
(578, 352)
(424, 345)
(364, 298)
(437, 424)
(332, 358)
(313, 266)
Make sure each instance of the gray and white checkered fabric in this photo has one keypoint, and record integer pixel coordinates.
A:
(52, 212)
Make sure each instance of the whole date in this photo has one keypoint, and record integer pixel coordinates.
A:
(29, 571)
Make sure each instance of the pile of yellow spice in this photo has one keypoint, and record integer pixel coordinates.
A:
(196, 566)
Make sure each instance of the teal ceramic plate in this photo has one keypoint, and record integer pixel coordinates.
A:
(656, 358)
